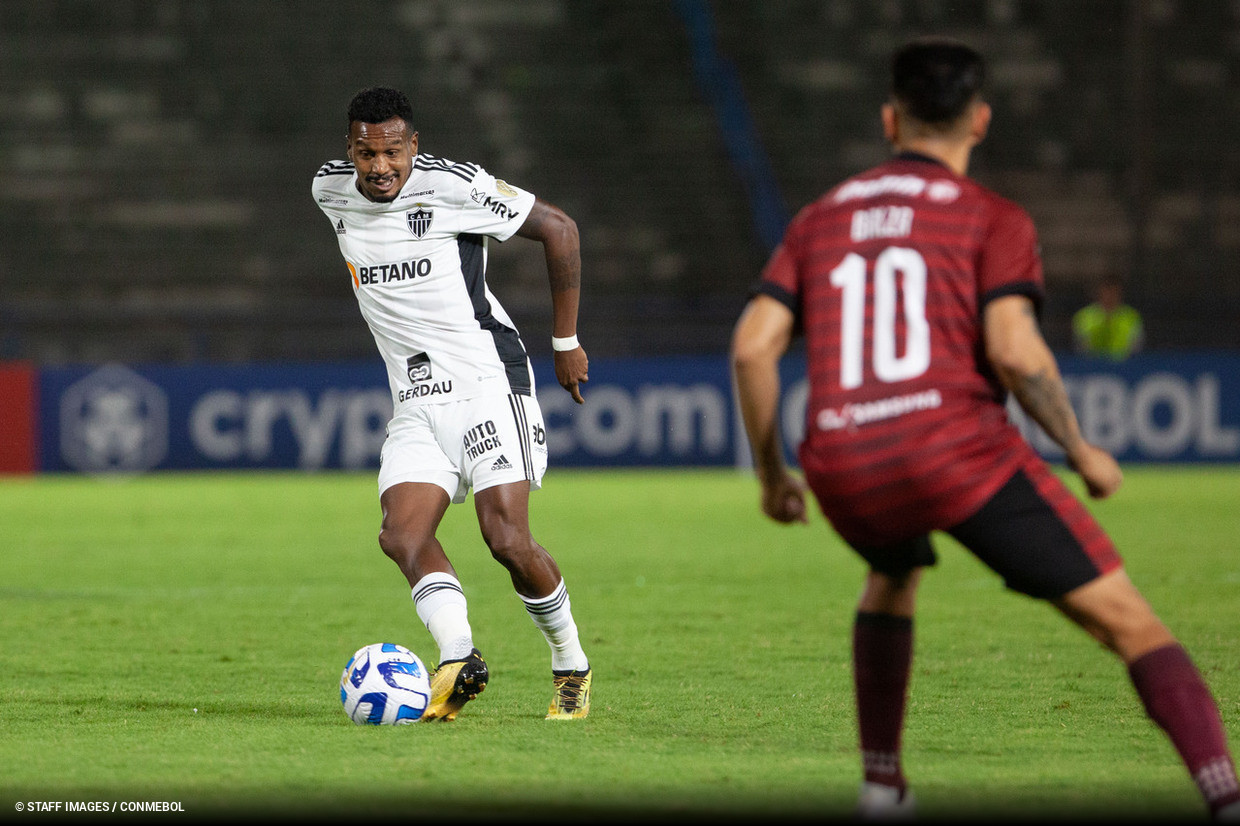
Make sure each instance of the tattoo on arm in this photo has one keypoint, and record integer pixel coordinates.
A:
(1044, 397)
(1038, 386)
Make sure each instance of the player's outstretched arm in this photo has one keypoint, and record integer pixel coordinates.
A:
(760, 339)
(1027, 367)
(549, 225)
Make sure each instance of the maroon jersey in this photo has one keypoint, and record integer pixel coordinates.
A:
(888, 274)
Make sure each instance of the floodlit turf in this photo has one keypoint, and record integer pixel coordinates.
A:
(180, 638)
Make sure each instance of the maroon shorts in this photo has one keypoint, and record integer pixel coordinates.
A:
(1033, 532)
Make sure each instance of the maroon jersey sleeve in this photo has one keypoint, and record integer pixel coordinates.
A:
(780, 279)
(1009, 262)
(783, 277)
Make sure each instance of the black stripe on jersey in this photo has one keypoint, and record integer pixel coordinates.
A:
(464, 176)
(523, 434)
(428, 158)
(1026, 288)
(507, 343)
(792, 302)
(335, 168)
(778, 293)
(429, 163)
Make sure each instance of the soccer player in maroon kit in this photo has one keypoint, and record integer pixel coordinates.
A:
(917, 292)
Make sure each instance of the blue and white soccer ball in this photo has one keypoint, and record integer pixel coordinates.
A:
(385, 684)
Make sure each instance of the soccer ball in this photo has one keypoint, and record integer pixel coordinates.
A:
(384, 684)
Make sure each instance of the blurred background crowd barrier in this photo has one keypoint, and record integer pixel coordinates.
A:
(156, 159)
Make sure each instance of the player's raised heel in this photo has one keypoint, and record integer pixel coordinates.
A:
(454, 684)
(571, 700)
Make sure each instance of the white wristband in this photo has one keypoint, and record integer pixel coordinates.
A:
(561, 345)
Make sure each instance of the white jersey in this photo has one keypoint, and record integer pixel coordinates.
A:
(418, 266)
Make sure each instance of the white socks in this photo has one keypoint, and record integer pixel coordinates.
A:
(441, 607)
(440, 603)
(554, 617)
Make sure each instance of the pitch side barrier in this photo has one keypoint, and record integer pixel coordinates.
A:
(675, 411)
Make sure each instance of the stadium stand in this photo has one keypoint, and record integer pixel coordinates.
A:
(154, 197)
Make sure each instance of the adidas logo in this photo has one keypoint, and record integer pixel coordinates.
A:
(502, 463)
(340, 227)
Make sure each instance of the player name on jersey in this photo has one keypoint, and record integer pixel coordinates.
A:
(882, 222)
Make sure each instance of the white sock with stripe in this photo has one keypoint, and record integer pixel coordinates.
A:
(553, 615)
(440, 603)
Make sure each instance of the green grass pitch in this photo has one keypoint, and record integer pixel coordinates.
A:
(180, 637)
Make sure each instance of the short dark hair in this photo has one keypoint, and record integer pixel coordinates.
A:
(377, 104)
(935, 79)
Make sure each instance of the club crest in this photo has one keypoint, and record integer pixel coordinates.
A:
(419, 221)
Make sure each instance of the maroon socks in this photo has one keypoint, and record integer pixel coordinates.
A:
(882, 659)
(1179, 702)
(1169, 685)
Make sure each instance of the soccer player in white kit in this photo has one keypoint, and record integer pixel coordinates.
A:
(413, 231)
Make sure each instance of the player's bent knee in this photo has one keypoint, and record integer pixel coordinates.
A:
(1132, 635)
(508, 542)
(1112, 610)
(403, 546)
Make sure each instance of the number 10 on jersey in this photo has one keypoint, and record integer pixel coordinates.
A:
(850, 276)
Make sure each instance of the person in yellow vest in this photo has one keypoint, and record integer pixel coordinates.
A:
(1108, 327)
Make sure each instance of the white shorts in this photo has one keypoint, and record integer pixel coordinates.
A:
(474, 443)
